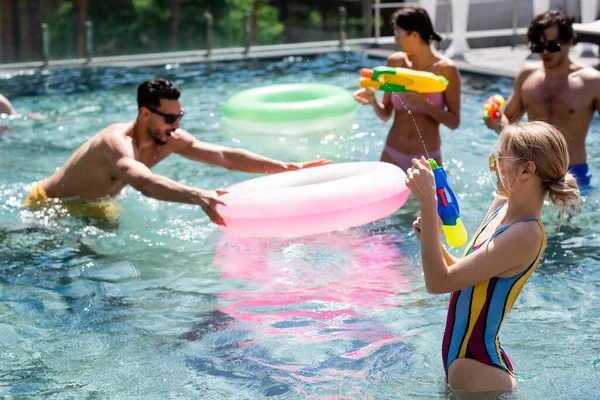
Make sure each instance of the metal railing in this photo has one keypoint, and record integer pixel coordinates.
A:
(209, 26)
(206, 54)
(458, 35)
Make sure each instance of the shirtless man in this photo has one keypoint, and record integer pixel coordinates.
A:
(123, 154)
(561, 92)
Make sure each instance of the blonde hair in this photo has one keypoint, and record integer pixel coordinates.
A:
(546, 147)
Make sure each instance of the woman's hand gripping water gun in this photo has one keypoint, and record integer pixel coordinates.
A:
(492, 107)
(391, 79)
(448, 210)
(447, 205)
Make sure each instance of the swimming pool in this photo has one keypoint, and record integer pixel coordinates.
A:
(165, 305)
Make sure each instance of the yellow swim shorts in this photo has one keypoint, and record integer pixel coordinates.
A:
(37, 199)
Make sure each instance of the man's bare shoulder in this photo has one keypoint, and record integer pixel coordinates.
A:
(181, 139)
(114, 131)
(117, 128)
(397, 59)
(529, 68)
(114, 137)
(588, 74)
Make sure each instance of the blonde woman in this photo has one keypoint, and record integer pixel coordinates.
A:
(414, 33)
(532, 162)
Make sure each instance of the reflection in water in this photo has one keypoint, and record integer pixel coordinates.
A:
(323, 280)
(320, 299)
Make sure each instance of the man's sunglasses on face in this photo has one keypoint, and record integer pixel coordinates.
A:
(552, 46)
(169, 118)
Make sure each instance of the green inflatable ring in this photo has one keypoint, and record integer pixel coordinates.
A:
(290, 109)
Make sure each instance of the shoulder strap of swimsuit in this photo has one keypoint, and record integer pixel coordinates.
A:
(499, 231)
(487, 221)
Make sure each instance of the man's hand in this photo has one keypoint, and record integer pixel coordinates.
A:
(496, 123)
(307, 164)
(208, 202)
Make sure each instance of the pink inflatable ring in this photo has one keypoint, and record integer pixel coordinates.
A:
(314, 200)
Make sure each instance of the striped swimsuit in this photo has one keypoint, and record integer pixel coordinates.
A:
(475, 314)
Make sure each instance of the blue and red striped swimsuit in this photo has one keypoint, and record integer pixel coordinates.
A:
(475, 314)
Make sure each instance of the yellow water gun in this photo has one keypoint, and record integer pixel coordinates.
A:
(391, 79)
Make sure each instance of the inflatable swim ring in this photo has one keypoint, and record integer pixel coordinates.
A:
(391, 79)
(314, 200)
(289, 109)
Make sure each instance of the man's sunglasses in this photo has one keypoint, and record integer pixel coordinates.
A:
(169, 118)
(552, 47)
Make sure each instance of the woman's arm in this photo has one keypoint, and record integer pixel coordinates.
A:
(417, 226)
(451, 116)
(384, 110)
(513, 250)
(450, 259)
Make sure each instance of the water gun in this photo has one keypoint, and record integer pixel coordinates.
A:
(391, 79)
(455, 232)
(492, 106)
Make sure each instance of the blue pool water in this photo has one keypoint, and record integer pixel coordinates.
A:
(164, 305)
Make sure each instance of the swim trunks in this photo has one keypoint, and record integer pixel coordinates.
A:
(582, 173)
(38, 199)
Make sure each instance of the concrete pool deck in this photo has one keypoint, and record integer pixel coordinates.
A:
(498, 61)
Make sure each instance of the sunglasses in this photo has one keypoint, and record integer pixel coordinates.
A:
(169, 118)
(493, 161)
(552, 46)
(398, 34)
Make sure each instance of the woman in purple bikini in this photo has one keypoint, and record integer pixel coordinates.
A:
(414, 33)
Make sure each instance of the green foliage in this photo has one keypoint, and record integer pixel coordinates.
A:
(144, 26)
(270, 30)
(314, 18)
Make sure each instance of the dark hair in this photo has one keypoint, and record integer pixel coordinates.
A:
(150, 92)
(416, 19)
(543, 21)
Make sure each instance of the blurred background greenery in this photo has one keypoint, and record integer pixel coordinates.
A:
(148, 26)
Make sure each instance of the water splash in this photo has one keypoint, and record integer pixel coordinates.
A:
(414, 122)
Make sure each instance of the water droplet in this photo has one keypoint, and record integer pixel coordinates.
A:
(414, 122)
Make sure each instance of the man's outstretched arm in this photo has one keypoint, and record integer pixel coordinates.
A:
(159, 187)
(236, 159)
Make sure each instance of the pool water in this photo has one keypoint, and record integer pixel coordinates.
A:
(165, 305)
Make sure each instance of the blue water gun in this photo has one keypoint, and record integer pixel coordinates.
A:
(455, 232)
